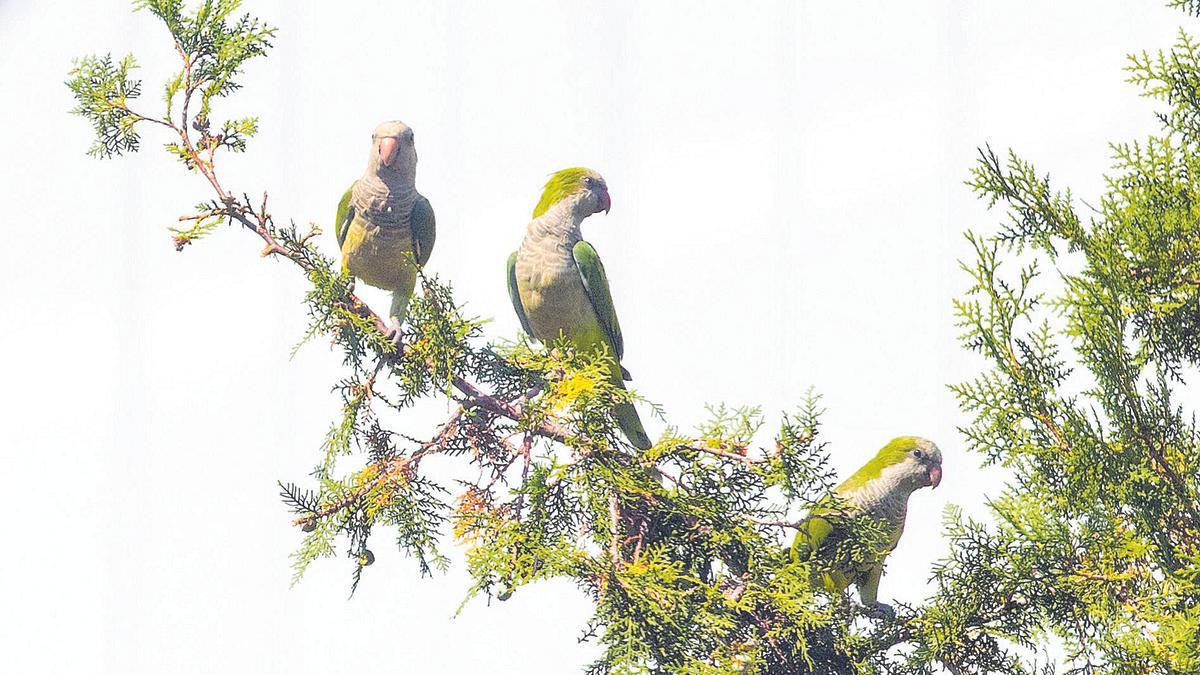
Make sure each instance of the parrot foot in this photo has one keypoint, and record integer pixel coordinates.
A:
(395, 334)
(880, 610)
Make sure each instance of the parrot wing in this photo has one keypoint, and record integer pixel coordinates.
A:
(345, 216)
(813, 532)
(515, 295)
(595, 282)
(819, 537)
(424, 229)
(824, 529)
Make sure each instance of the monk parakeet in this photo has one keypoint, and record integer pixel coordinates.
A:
(558, 286)
(384, 226)
(880, 491)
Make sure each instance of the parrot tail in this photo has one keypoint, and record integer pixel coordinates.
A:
(631, 426)
(627, 415)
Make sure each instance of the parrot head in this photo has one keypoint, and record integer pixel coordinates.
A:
(909, 462)
(915, 460)
(393, 151)
(584, 185)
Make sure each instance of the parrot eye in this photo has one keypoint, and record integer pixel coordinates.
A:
(918, 454)
(589, 182)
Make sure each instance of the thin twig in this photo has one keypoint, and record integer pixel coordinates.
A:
(704, 445)
(614, 516)
(390, 470)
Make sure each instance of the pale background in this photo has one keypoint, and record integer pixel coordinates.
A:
(787, 208)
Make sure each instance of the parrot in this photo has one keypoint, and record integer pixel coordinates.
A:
(558, 286)
(879, 491)
(384, 227)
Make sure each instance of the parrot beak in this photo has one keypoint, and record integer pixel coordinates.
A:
(935, 475)
(605, 201)
(387, 150)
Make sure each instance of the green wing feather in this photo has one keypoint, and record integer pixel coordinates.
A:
(811, 534)
(515, 295)
(595, 282)
(345, 216)
(424, 229)
(817, 537)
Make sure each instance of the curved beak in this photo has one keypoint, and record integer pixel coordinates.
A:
(387, 150)
(935, 475)
(605, 201)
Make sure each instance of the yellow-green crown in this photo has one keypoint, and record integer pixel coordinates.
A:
(563, 184)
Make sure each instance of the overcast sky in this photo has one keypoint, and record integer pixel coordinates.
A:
(788, 202)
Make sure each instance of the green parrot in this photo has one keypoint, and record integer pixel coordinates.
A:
(880, 491)
(557, 282)
(385, 228)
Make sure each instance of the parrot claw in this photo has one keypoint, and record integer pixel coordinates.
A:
(880, 610)
(395, 334)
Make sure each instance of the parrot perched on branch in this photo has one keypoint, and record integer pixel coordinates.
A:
(557, 282)
(385, 228)
(879, 491)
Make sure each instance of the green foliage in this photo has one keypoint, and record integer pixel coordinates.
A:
(1095, 544)
(1098, 533)
(1190, 6)
(213, 48)
(208, 217)
(102, 89)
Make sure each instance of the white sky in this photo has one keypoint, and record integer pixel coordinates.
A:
(787, 208)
